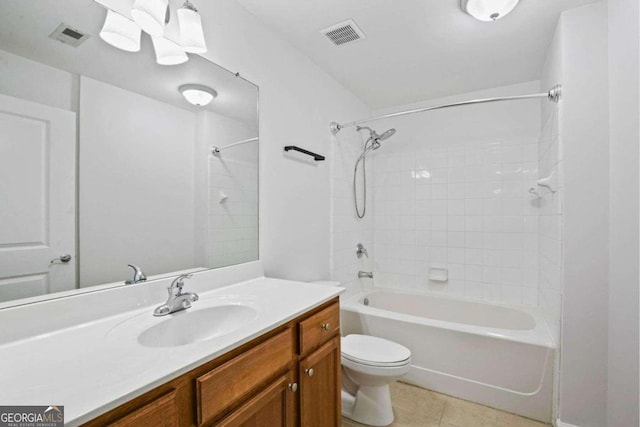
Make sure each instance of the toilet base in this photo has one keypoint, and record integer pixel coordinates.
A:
(370, 405)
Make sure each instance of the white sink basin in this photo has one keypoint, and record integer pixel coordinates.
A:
(191, 326)
(207, 319)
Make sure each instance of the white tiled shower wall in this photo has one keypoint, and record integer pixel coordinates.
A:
(450, 190)
(464, 208)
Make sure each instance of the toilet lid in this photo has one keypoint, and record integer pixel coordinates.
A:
(373, 351)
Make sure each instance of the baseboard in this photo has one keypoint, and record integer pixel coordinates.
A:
(559, 423)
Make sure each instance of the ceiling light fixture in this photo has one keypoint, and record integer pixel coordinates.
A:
(121, 32)
(150, 15)
(198, 95)
(488, 10)
(191, 33)
(168, 52)
(171, 42)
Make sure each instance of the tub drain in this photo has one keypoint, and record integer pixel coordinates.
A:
(366, 301)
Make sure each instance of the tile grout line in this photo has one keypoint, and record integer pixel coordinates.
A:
(444, 408)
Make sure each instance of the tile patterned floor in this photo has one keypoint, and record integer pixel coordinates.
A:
(417, 407)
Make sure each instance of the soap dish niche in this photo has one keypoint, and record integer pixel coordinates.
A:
(438, 274)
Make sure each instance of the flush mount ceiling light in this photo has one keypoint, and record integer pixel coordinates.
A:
(191, 34)
(488, 10)
(152, 16)
(121, 32)
(198, 95)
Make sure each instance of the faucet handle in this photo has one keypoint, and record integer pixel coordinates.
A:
(138, 275)
(178, 282)
(360, 250)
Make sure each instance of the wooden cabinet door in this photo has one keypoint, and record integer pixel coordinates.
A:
(228, 385)
(320, 375)
(161, 412)
(274, 406)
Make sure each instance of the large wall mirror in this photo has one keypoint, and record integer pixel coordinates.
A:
(104, 163)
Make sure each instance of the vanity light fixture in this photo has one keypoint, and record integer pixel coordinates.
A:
(488, 10)
(198, 95)
(150, 15)
(171, 42)
(121, 32)
(191, 33)
(168, 52)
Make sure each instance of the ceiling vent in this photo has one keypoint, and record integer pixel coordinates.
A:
(343, 33)
(69, 35)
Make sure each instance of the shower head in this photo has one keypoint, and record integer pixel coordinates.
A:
(387, 134)
(375, 138)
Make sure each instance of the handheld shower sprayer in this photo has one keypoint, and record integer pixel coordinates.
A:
(373, 143)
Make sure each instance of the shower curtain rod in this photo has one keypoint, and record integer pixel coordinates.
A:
(216, 150)
(553, 95)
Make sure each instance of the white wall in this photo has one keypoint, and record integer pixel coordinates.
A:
(298, 100)
(33, 81)
(585, 151)
(136, 184)
(450, 191)
(624, 116)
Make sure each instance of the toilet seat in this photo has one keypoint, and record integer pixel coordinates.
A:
(374, 351)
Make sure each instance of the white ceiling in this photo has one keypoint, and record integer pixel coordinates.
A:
(417, 49)
(25, 26)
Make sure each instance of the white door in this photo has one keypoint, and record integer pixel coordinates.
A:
(37, 199)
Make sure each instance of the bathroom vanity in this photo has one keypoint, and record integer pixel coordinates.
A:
(291, 373)
(250, 351)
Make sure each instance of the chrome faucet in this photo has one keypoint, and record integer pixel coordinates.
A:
(138, 275)
(177, 300)
(360, 250)
(365, 275)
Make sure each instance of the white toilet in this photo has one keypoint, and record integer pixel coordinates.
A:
(369, 365)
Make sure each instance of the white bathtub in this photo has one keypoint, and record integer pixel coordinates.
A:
(490, 354)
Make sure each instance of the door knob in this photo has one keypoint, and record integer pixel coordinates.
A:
(309, 372)
(293, 387)
(63, 258)
(326, 326)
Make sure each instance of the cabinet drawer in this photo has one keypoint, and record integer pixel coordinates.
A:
(232, 382)
(319, 327)
(163, 411)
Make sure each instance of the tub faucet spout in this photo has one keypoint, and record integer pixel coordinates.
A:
(365, 275)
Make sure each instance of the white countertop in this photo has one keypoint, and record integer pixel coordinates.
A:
(93, 367)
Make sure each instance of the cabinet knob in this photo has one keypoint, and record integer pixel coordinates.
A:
(326, 326)
(309, 372)
(293, 387)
